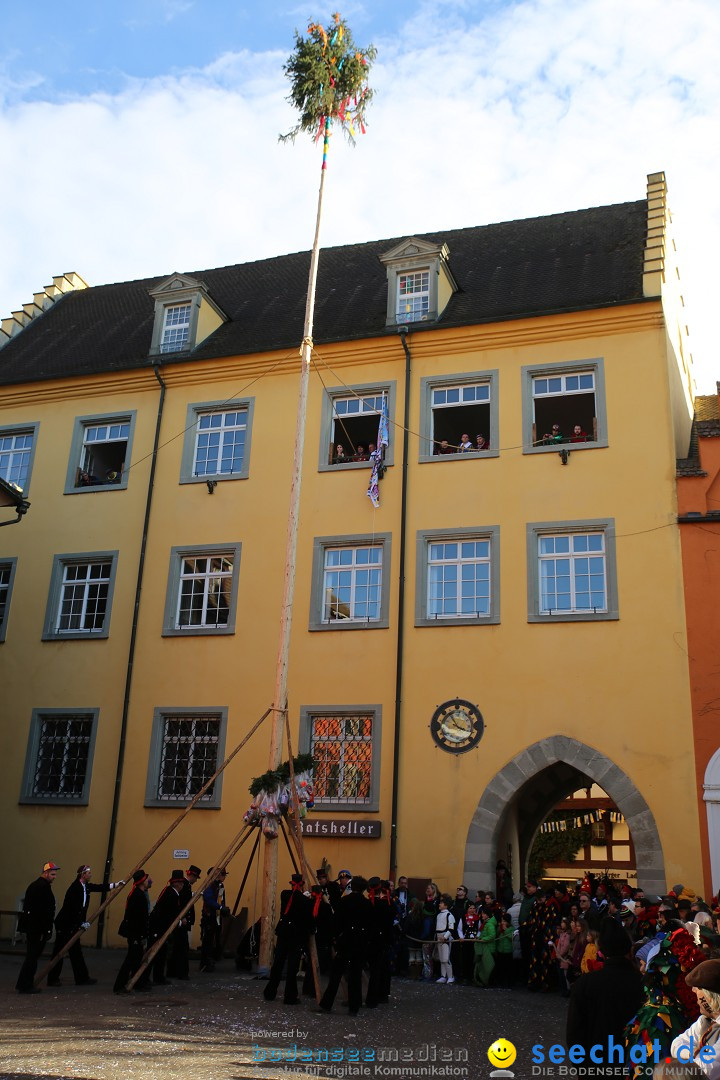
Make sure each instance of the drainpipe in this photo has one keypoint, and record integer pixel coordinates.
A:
(402, 330)
(131, 656)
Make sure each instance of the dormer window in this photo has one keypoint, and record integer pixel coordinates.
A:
(420, 283)
(176, 328)
(184, 315)
(413, 296)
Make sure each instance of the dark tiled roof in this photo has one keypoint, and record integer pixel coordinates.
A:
(706, 407)
(689, 467)
(708, 429)
(563, 262)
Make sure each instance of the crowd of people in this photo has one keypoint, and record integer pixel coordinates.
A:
(639, 969)
(343, 457)
(555, 435)
(465, 446)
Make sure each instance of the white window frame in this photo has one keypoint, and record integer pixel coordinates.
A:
(452, 589)
(366, 559)
(58, 584)
(16, 461)
(176, 330)
(489, 534)
(430, 385)
(417, 307)
(575, 557)
(196, 412)
(564, 370)
(322, 544)
(81, 448)
(331, 428)
(79, 589)
(7, 567)
(536, 532)
(171, 623)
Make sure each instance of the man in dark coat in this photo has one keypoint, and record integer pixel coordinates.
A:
(72, 917)
(165, 914)
(36, 923)
(354, 923)
(380, 944)
(212, 910)
(603, 1002)
(136, 928)
(179, 959)
(292, 931)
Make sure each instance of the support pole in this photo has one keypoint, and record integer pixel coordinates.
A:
(270, 854)
(227, 856)
(181, 816)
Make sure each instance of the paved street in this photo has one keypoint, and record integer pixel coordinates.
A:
(219, 1027)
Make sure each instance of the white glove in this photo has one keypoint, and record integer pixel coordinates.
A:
(116, 884)
(86, 926)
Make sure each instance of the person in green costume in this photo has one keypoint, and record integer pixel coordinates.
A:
(485, 947)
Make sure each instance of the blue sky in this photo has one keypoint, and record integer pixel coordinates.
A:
(141, 138)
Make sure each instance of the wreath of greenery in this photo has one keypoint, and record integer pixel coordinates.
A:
(274, 779)
(328, 74)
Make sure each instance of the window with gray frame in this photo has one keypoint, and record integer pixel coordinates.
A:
(457, 410)
(187, 747)
(202, 590)
(350, 584)
(100, 453)
(7, 579)
(564, 404)
(458, 577)
(80, 600)
(59, 759)
(17, 450)
(572, 571)
(350, 419)
(345, 745)
(217, 441)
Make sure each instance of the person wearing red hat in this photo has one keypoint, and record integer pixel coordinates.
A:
(36, 922)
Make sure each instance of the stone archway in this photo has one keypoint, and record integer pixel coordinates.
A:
(539, 777)
(711, 798)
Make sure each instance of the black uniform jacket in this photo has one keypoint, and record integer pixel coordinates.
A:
(38, 907)
(603, 1002)
(137, 915)
(166, 910)
(354, 920)
(295, 915)
(73, 912)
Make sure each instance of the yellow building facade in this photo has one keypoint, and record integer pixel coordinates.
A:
(506, 627)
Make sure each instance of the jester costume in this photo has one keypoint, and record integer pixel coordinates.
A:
(671, 1005)
(543, 919)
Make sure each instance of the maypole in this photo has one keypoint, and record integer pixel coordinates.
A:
(328, 76)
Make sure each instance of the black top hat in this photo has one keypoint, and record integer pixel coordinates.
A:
(297, 879)
(177, 875)
(194, 870)
(322, 872)
(139, 876)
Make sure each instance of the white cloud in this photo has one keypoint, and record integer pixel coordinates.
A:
(535, 108)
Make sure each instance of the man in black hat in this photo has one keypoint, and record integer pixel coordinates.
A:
(701, 1042)
(164, 915)
(292, 933)
(36, 922)
(135, 926)
(354, 921)
(72, 917)
(603, 1002)
(178, 966)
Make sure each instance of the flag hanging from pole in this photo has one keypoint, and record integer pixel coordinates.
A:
(376, 457)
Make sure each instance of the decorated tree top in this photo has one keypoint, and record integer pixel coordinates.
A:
(329, 74)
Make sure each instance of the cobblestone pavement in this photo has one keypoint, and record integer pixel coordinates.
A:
(218, 1027)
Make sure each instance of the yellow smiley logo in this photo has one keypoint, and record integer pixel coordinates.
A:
(502, 1053)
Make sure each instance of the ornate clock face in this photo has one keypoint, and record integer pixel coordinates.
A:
(457, 726)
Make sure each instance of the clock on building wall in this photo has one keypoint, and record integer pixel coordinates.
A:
(457, 726)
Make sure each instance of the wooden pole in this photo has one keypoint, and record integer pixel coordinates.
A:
(270, 854)
(226, 857)
(183, 814)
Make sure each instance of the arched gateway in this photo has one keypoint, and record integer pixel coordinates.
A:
(522, 794)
